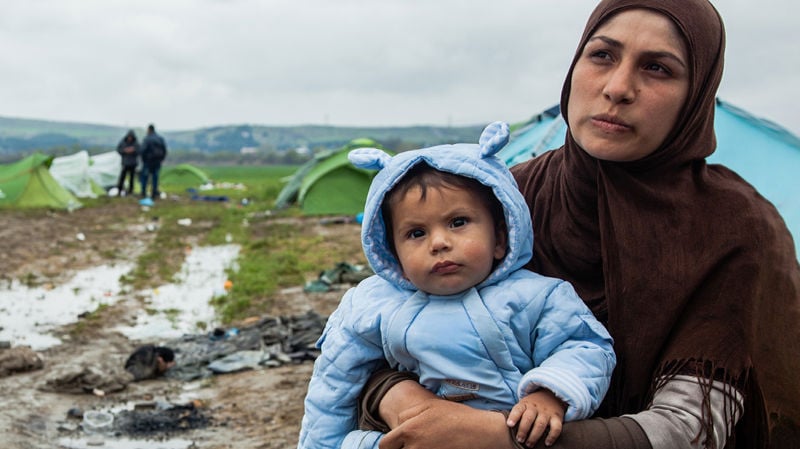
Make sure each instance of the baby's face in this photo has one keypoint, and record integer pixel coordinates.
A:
(445, 243)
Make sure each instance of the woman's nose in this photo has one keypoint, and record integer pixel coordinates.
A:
(620, 86)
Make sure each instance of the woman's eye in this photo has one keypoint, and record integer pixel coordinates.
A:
(656, 67)
(600, 55)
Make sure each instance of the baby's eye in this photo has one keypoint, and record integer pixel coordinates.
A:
(415, 233)
(458, 221)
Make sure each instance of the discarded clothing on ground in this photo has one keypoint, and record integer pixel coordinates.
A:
(78, 378)
(342, 273)
(271, 342)
(149, 361)
(196, 197)
(239, 361)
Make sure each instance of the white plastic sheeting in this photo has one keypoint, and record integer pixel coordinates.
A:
(104, 169)
(72, 172)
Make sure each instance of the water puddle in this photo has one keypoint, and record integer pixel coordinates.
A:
(93, 442)
(183, 307)
(29, 315)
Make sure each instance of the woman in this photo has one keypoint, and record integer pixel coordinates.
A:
(693, 272)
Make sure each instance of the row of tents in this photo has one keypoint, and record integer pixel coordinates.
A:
(763, 153)
(40, 180)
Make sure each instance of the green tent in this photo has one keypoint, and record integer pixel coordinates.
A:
(329, 184)
(28, 183)
(184, 175)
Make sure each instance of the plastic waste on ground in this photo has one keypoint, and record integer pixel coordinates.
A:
(96, 421)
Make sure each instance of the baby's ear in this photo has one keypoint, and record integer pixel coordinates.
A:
(501, 242)
(493, 138)
(369, 158)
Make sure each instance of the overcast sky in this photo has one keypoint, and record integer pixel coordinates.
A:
(185, 64)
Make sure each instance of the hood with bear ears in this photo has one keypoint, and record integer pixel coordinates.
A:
(476, 161)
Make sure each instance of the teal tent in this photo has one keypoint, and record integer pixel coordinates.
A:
(763, 153)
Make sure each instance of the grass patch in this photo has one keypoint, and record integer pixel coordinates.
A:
(90, 319)
(277, 249)
(265, 264)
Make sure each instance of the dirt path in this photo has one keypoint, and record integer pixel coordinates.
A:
(250, 409)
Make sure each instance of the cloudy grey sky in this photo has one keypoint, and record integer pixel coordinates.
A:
(184, 64)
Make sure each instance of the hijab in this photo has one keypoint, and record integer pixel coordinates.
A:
(690, 268)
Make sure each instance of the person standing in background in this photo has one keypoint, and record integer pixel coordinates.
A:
(154, 151)
(128, 149)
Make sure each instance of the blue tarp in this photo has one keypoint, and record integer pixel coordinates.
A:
(763, 153)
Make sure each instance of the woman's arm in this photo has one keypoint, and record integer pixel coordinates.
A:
(675, 420)
(421, 420)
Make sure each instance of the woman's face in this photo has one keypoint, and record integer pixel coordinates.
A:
(628, 86)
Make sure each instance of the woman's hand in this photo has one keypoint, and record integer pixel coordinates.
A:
(420, 420)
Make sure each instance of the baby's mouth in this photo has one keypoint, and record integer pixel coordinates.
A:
(444, 267)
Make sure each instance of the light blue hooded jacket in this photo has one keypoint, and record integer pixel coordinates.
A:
(515, 332)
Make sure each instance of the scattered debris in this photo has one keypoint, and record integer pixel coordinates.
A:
(79, 378)
(342, 273)
(272, 341)
(97, 421)
(176, 418)
(19, 359)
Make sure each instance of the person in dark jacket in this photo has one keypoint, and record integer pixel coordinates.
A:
(128, 148)
(154, 151)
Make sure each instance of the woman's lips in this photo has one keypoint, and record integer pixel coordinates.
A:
(610, 123)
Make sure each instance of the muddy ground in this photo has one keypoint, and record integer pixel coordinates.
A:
(250, 409)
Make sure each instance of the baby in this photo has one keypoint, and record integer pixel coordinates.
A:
(447, 233)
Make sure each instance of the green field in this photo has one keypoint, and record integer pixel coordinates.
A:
(261, 183)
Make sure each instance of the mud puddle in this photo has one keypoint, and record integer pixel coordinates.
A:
(183, 307)
(29, 315)
(94, 443)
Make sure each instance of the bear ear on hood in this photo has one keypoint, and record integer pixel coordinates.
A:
(369, 158)
(493, 138)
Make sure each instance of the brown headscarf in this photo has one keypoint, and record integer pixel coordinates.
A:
(690, 268)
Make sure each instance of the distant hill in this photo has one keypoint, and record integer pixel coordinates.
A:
(22, 136)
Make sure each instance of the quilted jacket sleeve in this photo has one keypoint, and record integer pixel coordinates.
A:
(362, 439)
(350, 353)
(573, 354)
